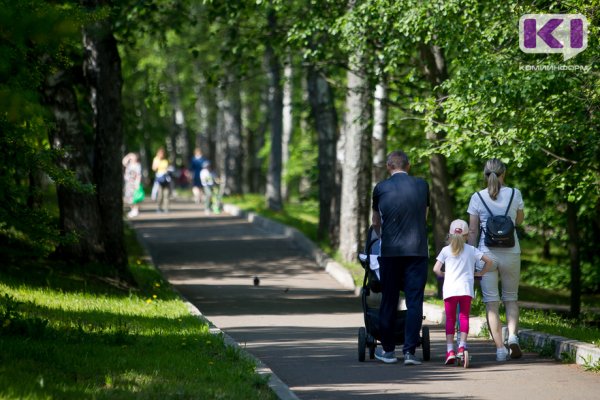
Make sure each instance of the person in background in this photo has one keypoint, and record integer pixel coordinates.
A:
(196, 165)
(459, 275)
(207, 179)
(132, 180)
(507, 261)
(162, 180)
(400, 205)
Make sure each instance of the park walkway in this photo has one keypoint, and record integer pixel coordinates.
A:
(303, 325)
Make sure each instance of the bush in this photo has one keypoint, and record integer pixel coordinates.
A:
(558, 276)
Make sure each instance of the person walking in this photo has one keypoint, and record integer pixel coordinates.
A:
(400, 206)
(208, 181)
(196, 165)
(498, 199)
(132, 180)
(162, 180)
(459, 261)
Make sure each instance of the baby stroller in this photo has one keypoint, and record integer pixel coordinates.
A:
(369, 336)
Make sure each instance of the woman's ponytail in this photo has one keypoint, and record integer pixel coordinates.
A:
(492, 171)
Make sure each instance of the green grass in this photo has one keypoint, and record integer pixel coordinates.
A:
(69, 333)
(304, 217)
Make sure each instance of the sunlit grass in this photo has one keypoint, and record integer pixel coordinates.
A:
(66, 333)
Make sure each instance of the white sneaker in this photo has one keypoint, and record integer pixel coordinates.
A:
(513, 345)
(501, 354)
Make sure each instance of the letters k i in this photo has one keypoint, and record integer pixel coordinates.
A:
(553, 33)
(545, 33)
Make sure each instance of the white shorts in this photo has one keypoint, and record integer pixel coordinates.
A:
(508, 267)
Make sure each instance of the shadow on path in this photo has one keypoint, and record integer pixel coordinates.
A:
(303, 325)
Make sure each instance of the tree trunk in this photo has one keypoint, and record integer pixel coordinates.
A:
(353, 180)
(102, 67)
(287, 124)
(326, 124)
(79, 213)
(233, 134)
(255, 141)
(220, 164)
(434, 69)
(202, 110)
(181, 149)
(274, 200)
(573, 233)
(380, 128)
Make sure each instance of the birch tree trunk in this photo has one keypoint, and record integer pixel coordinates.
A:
(181, 152)
(287, 125)
(353, 180)
(326, 124)
(232, 126)
(201, 108)
(380, 129)
(102, 67)
(274, 200)
(220, 152)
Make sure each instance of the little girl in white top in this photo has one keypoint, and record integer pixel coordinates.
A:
(459, 277)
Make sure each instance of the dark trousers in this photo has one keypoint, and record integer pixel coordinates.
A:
(410, 275)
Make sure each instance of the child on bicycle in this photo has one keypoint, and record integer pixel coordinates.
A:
(459, 259)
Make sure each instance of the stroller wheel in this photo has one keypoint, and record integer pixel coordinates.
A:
(362, 344)
(426, 343)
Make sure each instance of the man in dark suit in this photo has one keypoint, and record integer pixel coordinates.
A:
(400, 205)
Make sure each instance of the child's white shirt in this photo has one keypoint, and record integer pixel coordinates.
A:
(459, 276)
(206, 177)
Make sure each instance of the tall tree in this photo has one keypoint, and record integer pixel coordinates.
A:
(287, 125)
(325, 119)
(79, 213)
(233, 137)
(380, 129)
(274, 200)
(102, 68)
(435, 71)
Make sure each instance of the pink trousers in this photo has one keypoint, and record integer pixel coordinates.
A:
(450, 305)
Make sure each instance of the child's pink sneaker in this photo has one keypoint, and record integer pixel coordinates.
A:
(450, 357)
(461, 352)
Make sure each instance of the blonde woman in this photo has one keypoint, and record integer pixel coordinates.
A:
(459, 259)
(162, 180)
(499, 199)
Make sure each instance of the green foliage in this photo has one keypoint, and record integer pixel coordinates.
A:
(36, 40)
(589, 364)
(557, 276)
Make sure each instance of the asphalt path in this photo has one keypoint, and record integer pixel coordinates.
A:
(303, 325)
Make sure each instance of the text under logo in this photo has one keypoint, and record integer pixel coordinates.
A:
(553, 33)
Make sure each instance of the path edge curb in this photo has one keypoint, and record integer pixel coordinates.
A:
(333, 268)
(584, 353)
(281, 390)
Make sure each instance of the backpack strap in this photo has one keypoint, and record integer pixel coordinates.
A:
(486, 206)
(512, 194)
